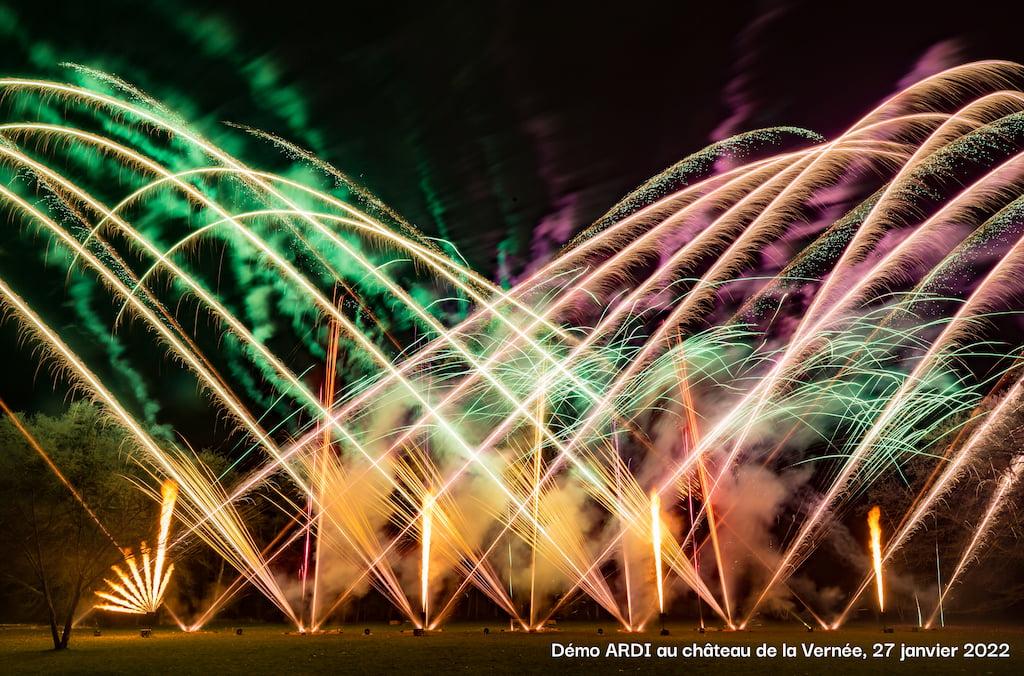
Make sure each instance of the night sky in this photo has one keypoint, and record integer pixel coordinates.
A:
(504, 127)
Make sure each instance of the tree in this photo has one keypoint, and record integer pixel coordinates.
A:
(56, 550)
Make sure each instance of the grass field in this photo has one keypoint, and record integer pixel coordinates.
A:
(466, 649)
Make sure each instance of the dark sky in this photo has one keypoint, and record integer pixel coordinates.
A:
(495, 124)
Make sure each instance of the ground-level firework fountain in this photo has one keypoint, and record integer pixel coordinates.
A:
(428, 521)
(757, 336)
(142, 591)
(875, 527)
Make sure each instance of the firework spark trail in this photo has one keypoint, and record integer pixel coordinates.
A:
(692, 435)
(996, 503)
(325, 457)
(656, 529)
(622, 527)
(938, 586)
(817, 618)
(245, 576)
(538, 456)
(38, 448)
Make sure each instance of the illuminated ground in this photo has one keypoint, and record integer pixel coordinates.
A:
(465, 648)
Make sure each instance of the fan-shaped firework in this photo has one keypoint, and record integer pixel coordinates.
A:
(143, 590)
(766, 328)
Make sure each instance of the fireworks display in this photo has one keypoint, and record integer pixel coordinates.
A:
(677, 410)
